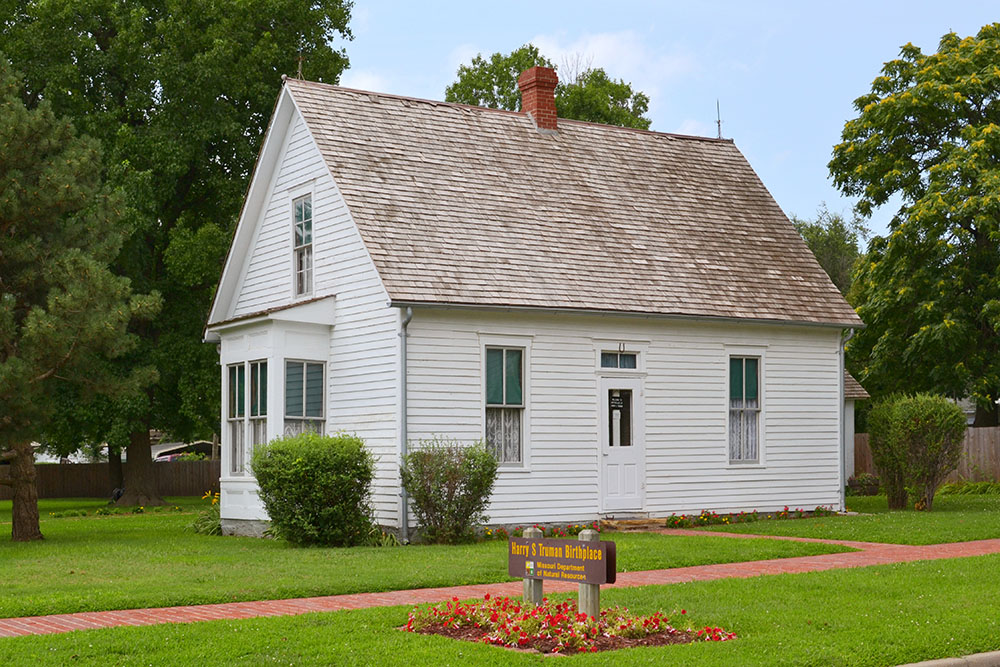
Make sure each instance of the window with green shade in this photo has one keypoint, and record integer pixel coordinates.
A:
(744, 409)
(504, 375)
(314, 390)
(294, 388)
(258, 388)
(304, 392)
(505, 402)
(237, 396)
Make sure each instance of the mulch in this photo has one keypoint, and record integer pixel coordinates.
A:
(546, 646)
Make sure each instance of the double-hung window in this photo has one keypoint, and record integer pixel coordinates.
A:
(505, 403)
(303, 250)
(304, 397)
(247, 411)
(744, 409)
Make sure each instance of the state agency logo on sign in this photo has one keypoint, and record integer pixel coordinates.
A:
(565, 560)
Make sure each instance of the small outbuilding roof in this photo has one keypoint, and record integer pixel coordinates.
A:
(853, 391)
(462, 205)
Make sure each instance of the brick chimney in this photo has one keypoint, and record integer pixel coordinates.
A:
(538, 96)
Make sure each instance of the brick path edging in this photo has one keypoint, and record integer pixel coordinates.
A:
(869, 554)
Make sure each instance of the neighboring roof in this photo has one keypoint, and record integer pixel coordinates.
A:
(468, 206)
(853, 391)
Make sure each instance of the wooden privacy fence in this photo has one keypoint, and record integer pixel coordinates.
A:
(92, 480)
(980, 456)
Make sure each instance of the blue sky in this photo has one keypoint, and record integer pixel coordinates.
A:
(785, 73)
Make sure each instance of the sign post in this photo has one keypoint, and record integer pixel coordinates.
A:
(587, 562)
(533, 587)
(590, 594)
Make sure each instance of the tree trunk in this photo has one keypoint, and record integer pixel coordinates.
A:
(140, 483)
(25, 504)
(115, 468)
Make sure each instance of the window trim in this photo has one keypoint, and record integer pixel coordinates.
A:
(640, 348)
(295, 197)
(523, 343)
(758, 352)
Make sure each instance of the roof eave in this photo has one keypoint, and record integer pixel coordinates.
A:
(404, 303)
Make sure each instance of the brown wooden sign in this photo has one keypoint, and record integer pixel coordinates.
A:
(565, 560)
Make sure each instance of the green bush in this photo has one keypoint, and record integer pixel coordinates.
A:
(933, 429)
(450, 486)
(316, 488)
(919, 441)
(888, 451)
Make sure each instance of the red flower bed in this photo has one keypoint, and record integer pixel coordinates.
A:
(552, 627)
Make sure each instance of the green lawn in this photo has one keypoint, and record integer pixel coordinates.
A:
(875, 616)
(955, 518)
(152, 560)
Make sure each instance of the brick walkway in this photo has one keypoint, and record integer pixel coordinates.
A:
(869, 554)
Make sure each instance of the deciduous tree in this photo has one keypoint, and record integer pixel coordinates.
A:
(62, 311)
(834, 242)
(588, 94)
(929, 133)
(179, 93)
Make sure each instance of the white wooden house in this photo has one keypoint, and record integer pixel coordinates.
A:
(627, 317)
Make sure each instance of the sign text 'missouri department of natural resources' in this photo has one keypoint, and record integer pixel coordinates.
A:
(566, 560)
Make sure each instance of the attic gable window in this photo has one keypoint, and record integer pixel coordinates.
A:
(303, 250)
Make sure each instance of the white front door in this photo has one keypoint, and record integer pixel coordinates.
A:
(622, 444)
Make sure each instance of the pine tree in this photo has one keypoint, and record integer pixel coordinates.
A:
(62, 311)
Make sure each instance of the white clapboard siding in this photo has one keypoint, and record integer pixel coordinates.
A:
(363, 363)
(686, 406)
(266, 279)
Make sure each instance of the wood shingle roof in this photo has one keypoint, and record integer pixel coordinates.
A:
(467, 206)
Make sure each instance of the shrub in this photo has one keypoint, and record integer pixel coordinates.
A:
(450, 486)
(916, 441)
(888, 451)
(932, 429)
(865, 484)
(316, 488)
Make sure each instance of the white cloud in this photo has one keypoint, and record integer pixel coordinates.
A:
(365, 79)
(623, 55)
(654, 69)
(361, 18)
(696, 128)
(461, 55)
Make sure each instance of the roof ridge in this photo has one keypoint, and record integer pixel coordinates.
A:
(519, 114)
